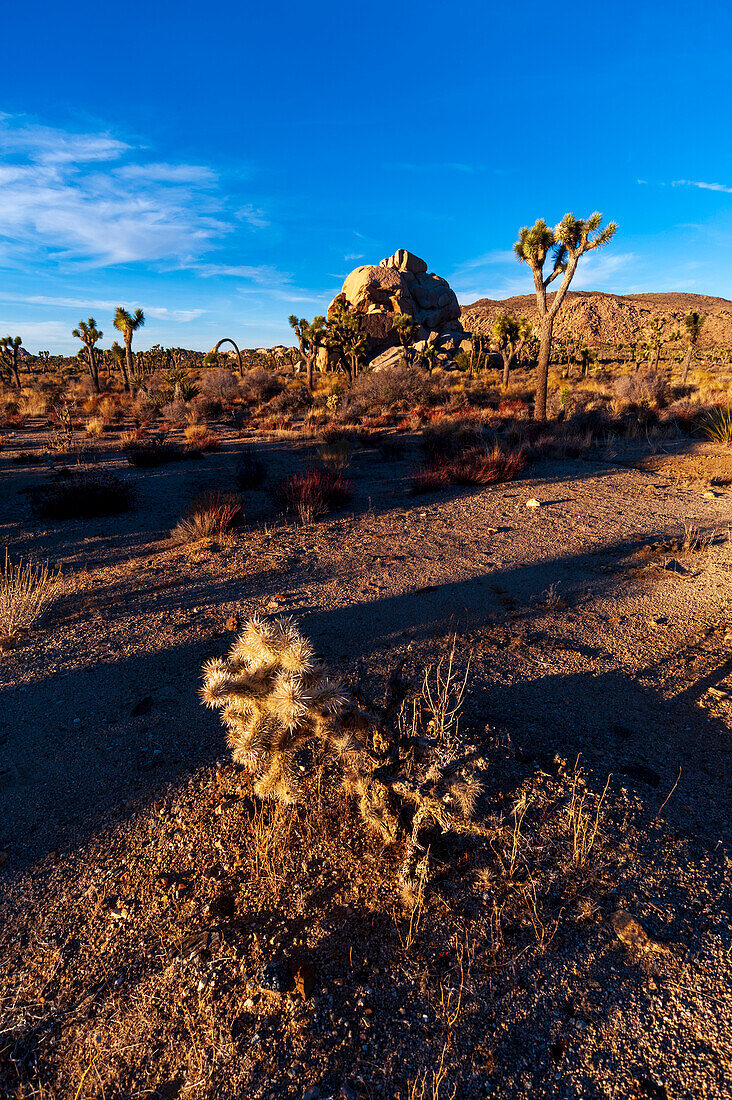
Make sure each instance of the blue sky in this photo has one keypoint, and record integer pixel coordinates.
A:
(225, 165)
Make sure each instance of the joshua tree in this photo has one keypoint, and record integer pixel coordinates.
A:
(90, 336)
(310, 336)
(210, 358)
(655, 339)
(693, 322)
(10, 357)
(568, 241)
(345, 335)
(509, 335)
(128, 325)
(406, 330)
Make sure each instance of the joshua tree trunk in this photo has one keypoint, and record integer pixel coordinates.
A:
(126, 365)
(506, 368)
(310, 364)
(687, 363)
(657, 357)
(542, 369)
(93, 368)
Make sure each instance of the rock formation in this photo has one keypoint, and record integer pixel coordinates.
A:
(401, 284)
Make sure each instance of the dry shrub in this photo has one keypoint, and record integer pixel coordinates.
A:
(400, 388)
(25, 591)
(260, 385)
(220, 384)
(449, 437)
(211, 515)
(486, 466)
(34, 403)
(336, 456)
(483, 465)
(82, 494)
(514, 408)
(26, 458)
(201, 439)
(646, 388)
(95, 426)
(145, 451)
(313, 493)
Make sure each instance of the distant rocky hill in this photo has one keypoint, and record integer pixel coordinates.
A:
(607, 319)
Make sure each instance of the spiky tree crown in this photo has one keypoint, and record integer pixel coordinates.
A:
(274, 697)
(127, 323)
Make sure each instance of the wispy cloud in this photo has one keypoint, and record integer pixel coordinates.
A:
(95, 200)
(438, 166)
(98, 305)
(704, 186)
(262, 274)
(354, 256)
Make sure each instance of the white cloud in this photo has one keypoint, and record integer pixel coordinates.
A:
(704, 186)
(67, 198)
(195, 174)
(264, 274)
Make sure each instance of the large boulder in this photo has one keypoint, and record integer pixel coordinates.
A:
(400, 284)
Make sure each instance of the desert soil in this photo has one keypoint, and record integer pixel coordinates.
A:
(600, 654)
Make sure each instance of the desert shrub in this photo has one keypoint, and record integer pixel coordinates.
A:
(258, 386)
(289, 402)
(312, 493)
(174, 411)
(446, 438)
(201, 439)
(486, 466)
(220, 384)
(251, 470)
(211, 515)
(717, 425)
(33, 403)
(25, 591)
(686, 415)
(95, 426)
(478, 465)
(513, 407)
(82, 494)
(146, 451)
(399, 388)
(645, 388)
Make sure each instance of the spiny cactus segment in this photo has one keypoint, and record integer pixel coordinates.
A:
(274, 697)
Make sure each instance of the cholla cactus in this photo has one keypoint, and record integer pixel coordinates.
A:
(274, 698)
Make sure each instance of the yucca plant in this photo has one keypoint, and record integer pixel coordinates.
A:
(717, 425)
(26, 589)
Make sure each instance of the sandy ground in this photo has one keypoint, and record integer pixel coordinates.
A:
(592, 636)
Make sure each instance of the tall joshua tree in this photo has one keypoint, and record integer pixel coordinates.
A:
(310, 336)
(406, 330)
(128, 324)
(345, 335)
(90, 336)
(10, 357)
(655, 339)
(567, 242)
(509, 335)
(693, 323)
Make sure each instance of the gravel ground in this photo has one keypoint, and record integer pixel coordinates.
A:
(600, 646)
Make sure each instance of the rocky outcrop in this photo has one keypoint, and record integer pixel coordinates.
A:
(401, 284)
(606, 319)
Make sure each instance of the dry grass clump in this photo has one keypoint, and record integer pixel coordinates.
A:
(336, 456)
(82, 494)
(26, 589)
(210, 516)
(201, 439)
(483, 465)
(313, 493)
(95, 426)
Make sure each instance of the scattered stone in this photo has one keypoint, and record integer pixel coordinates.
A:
(632, 934)
(275, 978)
(232, 623)
(533, 503)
